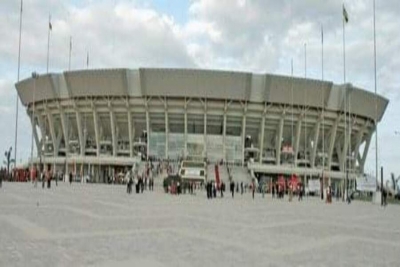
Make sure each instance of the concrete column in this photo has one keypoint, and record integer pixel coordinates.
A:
(64, 126)
(297, 140)
(166, 128)
(147, 128)
(113, 134)
(185, 130)
(360, 135)
(130, 135)
(42, 130)
(262, 136)
(80, 132)
(52, 132)
(205, 127)
(243, 132)
(365, 153)
(343, 156)
(279, 141)
(224, 133)
(96, 130)
(35, 136)
(315, 140)
(332, 142)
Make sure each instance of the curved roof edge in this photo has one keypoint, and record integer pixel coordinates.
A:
(197, 83)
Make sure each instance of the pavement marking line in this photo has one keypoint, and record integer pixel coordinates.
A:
(29, 228)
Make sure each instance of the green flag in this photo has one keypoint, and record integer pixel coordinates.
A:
(345, 15)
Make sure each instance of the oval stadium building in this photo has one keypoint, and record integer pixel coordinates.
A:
(102, 120)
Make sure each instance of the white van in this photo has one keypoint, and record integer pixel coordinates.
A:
(193, 171)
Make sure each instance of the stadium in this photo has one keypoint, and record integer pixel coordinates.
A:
(99, 121)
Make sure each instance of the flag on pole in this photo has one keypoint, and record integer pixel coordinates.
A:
(345, 15)
(70, 43)
(50, 26)
(87, 60)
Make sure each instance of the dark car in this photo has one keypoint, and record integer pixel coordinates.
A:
(168, 181)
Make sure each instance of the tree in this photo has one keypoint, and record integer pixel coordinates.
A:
(8, 161)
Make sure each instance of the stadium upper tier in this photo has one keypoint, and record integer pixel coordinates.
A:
(234, 116)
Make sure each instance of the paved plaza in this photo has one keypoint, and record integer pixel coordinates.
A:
(101, 225)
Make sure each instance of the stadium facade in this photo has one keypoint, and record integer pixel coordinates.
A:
(97, 120)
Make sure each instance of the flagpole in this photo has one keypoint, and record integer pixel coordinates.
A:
(376, 103)
(70, 52)
(48, 44)
(34, 77)
(305, 60)
(323, 98)
(17, 100)
(345, 98)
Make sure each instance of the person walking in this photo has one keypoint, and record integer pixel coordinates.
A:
(263, 190)
(241, 188)
(232, 188)
(70, 178)
(273, 190)
(253, 188)
(214, 189)
(384, 194)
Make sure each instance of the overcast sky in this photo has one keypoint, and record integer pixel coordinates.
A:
(247, 35)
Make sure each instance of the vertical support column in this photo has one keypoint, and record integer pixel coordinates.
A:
(332, 141)
(42, 131)
(343, 156)
(147, 126)
(244, 131)
(35, 136)
(262, 134)
(185, 130)
(224, 131)
(96, 129)
(52, 132)
(205, 127)
(113, 134)
(64, 127)
(130, 136)
(80, 133)
(315, 140)
(365, 153)
(279, 140)
(360, 135)
(297, 141)
(166, 128)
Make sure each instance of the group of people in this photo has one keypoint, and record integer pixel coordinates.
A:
(211, 189)
(279, 190)
(143, 181)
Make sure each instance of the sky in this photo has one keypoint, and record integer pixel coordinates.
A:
(260, 36)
